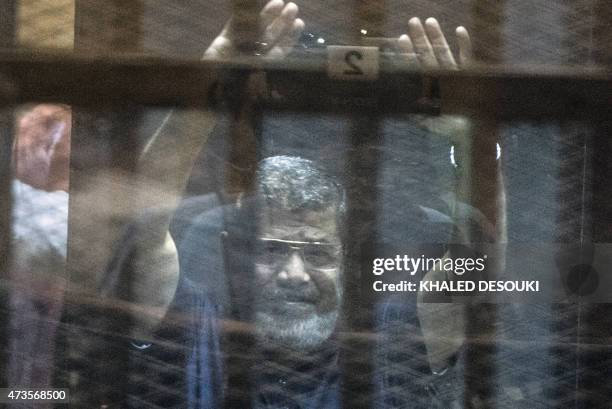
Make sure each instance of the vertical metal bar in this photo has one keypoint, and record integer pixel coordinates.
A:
(245, 14)
(578, 31)
(8, 24)
(574, 233)
(594, 329)
(580, 270)
(245, 118)
(357, 346)
(369, 16)
(570, 236)
(6, 141)
(487, 32)
(243, 139)
(239, 178)
(602, 33)
(112, 26)
(8, 27)
(240, 345)
(486, 196)
(103, 159)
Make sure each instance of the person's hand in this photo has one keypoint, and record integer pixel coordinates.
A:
(281, 30)
(427, 46)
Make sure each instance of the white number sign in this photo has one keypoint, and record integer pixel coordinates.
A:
(352, 63)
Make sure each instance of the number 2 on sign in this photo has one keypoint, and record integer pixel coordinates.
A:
(355, 63)
(349, 59)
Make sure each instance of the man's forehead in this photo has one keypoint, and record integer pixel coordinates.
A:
(307, 225)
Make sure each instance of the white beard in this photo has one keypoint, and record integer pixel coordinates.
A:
(302, 333)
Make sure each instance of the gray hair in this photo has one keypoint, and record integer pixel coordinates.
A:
(294, 183)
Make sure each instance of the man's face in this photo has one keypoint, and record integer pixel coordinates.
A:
(298, 262)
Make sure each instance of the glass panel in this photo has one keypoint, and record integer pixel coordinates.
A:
(327, 234)
(202, 315)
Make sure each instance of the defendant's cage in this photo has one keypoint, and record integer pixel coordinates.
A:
(112, 89)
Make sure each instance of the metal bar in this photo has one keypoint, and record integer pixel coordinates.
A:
(240, 177)
(602, 32)
(594, 330)
(577, 40)
(356, 352)
(484, 194)
(6, 141)
(103, 159)
(580, 273)
(487, 32)
(7, 40)
(574, 234)
(574, 163)
(504, 94)
(243, 144)
(369, 16)
(101, 205)
(592, 350)
(245, 14)
(8, 23)
(112, 26)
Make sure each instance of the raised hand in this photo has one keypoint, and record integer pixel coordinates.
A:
(281, 28)
(427, 45)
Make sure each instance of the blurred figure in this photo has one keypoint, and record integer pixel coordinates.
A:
(41, 155)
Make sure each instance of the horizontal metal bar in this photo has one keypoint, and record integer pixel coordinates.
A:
(504, 93)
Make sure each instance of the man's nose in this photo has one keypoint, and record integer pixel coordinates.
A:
(294, 270)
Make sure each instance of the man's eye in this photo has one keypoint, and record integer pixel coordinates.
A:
(321, 256)
(270, 252)
(272, 248)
